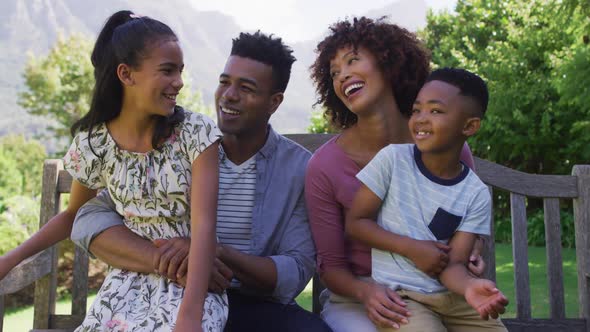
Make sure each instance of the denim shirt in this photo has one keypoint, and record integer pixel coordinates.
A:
(280, 226)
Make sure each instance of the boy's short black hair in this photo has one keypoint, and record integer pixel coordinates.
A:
(268, 50)
(469, 84)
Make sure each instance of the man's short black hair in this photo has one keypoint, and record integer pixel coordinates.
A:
(268, 50)
(469, 84)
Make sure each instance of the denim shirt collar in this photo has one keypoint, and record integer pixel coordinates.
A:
(269, 147)
(271, 144)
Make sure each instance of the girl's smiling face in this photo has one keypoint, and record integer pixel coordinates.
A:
(157, 80)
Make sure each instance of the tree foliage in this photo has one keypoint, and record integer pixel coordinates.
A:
(10, 178)
(319, 124)
(534, 56)
(27, 157)
(59, 86)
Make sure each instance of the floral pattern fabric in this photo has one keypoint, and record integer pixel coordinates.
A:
(152, 192)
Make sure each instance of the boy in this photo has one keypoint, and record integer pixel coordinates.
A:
(424, 198)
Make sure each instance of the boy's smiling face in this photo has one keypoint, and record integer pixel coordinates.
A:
(441, 118)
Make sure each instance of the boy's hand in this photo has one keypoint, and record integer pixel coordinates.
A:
(430, 257)
(484, 297)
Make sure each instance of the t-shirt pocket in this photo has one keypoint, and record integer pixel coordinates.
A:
(444, 224)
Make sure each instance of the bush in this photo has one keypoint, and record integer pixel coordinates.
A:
(11, 235)
(536, 229)
(22, 211)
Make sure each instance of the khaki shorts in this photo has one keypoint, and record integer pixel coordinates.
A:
(443, 312)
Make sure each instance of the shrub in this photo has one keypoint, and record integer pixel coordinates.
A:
(536, 229)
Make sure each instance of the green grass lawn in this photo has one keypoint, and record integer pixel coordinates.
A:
(537, 280)
(19, 320)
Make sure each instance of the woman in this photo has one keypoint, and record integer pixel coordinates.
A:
(367, 75)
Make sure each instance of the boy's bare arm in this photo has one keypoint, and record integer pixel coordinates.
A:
(481, 294)
(429, 256)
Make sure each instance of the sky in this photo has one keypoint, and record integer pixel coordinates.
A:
(293, 19)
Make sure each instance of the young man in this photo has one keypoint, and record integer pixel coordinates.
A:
(424, 198)
(265, 255)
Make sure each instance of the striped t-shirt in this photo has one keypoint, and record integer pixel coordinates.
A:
(422, 206)
(237, 186)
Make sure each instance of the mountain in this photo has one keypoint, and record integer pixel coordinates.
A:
(32, 26)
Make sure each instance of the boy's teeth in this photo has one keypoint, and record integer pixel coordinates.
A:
(171, 97)
(353, 86)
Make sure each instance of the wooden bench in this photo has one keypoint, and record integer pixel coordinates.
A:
(42, 269)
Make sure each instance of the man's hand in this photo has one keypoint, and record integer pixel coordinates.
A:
(384, 306)
(430, 257)
(221, 277)
(484, 297)
(171, 260)
(221, 274)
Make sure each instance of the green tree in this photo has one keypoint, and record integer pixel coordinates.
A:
(319, 124)
(532, 54)
(27, 157)
(59, 86)
(11, 179)
(23, 213)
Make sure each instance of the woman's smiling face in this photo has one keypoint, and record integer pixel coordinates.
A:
(357, 79)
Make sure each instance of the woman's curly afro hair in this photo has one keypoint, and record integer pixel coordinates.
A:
(400, 55)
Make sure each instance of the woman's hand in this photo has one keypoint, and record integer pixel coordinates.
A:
(384, 306)
(476, 263)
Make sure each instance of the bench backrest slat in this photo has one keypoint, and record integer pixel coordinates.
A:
(490, 246)
(554, 258)
(80, 283)
(582, 230)
(520, 255)
(46, 287)
(65, 182)
(532, 185)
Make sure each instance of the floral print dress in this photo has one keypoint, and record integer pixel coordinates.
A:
(152, 192)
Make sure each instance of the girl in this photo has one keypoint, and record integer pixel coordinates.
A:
(159, 164)
(367, 75)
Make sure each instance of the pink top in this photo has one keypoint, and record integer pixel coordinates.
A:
(330, 186)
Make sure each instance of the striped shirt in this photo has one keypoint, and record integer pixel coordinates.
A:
(422, 206)
(237, 186)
